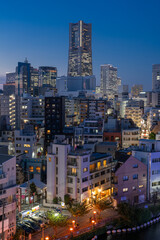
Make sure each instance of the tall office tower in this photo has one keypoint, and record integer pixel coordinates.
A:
(109, 80)
(23, 78)
(136, 89)
(54, 118)
(10, 77)
(34, 86)
(47, 77)
(156, 77)
(80, 49)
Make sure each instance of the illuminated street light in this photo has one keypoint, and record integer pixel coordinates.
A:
(56, 214)
(46, 238)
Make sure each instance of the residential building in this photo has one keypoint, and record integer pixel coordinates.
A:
(131, 182)
(148, 153)
(80, 49)
(93, 130)
(130, 137)
(78, 173)
(8, 196)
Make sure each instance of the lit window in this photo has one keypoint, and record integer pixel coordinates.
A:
(49, 159)
(31, 168)
(48, 131)
(135, 176)
(125, 189)
(104, 163)
(74, 170)
(141, 186)
(84, 169)
(38, 169)
(26, 151)
(27, 145)
(98, 165)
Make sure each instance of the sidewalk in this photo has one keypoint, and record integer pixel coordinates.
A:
(84, 225)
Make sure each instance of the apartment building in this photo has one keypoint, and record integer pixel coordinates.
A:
(78, 173)
(131, 182)
(7, 196)
(130, 137)
(148, 153)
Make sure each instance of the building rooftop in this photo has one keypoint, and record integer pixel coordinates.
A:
(95, 156)
(4, 158)
(107, 143)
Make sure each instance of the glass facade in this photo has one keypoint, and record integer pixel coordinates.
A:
(80, 49)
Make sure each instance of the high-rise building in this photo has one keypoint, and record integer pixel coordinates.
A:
(23, 78)
(80, 49)
(156, 77)
(47, 77)
(10, 77)
(136, 89)
(109, 80)
(54, 118)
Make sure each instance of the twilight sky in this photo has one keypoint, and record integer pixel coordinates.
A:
(125, 33)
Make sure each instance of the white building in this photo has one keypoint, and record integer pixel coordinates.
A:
(8, 195)
(80, 174)
(130, 137)
(149, 153)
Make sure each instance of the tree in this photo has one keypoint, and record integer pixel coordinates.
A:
(55, 200)
(152, 136)
(79, 209)
(33, 188)
(56, 220)
(101, 205)
(68, 200)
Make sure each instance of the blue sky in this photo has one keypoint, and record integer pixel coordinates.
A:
(124, 33)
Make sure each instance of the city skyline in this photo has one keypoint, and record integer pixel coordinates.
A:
(124, 39)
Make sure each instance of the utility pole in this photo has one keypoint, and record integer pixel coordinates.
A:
(3, 206)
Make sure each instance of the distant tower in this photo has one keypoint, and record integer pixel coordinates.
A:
(109, 80)
(80, 49)
(156, 77)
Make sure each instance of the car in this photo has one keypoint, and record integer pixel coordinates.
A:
(36, 219)
(33, 224)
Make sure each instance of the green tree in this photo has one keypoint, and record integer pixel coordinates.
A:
(56, 220)
(101, 205)
(68, 200)
(152, 136)
(79, 209)
(55, 200)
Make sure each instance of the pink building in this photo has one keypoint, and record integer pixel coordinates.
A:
(131, 182)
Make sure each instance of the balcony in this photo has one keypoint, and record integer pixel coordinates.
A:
(3, 178)
(8, 208)
(71, 174)
(73, 164)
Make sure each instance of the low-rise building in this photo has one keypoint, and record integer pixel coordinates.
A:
(130, 137)
(131, 181)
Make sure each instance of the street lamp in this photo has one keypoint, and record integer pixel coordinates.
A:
(94, 212)
(71, 231)
(93, 222)
(46, 238)
(73, 222)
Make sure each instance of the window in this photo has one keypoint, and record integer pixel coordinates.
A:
(78, 190)
(135, 166)
(125, 189)
(144, 174)
(26, 151)
(125, 178)
(56, 150)
(141, 186)
(56, 180)
(97, 184)
(70, 180)
(91, 177)
(84, 189)
(56, 160)
(70, 190)
(27, 145)
(85, 179)
(49, 159)
(85, 169)
(74, 171)
(56, 170)
(48, 131)
(155, 172)
(31, 168)
(56, 190)
(133, 188)
(102, 182)
(96, 175)
(135, 176)
(104, 163)
(98, 165)
(38, 169)
(85, 159)
(103, 173)
(155, 160)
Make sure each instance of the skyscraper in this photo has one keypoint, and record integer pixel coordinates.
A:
(109, 80)
(23, 78)
(156, 77)
(80, 49)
